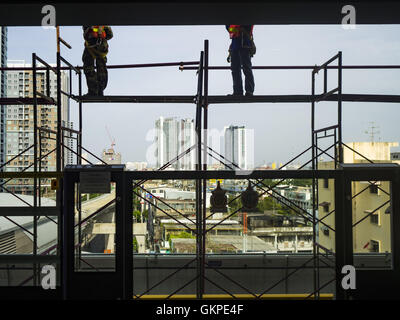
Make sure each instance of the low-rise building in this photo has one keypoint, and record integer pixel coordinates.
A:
(284, 233)
(223, 244)
(300, 196)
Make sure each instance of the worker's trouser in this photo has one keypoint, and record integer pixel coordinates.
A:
(96, 80)
(240, 59)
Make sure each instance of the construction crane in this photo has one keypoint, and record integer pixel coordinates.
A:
(111, 138)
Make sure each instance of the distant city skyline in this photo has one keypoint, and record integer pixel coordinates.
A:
(281, 130)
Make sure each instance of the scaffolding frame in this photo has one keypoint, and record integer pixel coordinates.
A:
(202, 100)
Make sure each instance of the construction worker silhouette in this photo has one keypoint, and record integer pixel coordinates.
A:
(96, 49)
(241, 51)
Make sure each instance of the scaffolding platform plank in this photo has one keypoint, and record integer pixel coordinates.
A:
(259, 99)
(239, 99)
(366, 98)
(302, 98)
(135, 99)
(26, 101)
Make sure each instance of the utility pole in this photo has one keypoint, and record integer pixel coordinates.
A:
(371, 131)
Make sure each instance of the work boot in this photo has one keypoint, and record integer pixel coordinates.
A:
(235, 95)
(249, 94)
(101, 93)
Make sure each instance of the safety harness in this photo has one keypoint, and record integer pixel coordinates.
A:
(99, 33)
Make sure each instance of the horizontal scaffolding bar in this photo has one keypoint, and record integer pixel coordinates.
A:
(26, 101)
(325, 136)
(303, 98)
(27, 258)
(30, 174)
(275, 296)
(115, 66)
(326, 128)
(151, 65)
(29, 211)
(135, 99)
(301, 67)
(169, 64)
(238, 99)
(231, 174)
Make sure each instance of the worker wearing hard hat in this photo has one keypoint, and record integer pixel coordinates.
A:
(96, 49)
(241, 50)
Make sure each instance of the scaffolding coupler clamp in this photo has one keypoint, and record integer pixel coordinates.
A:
(181, 66)
(196, 99)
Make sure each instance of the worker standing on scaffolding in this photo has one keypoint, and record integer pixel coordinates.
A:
(96, 49)
(241, 50)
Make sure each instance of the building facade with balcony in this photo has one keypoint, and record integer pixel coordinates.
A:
(371, 217)
(3, 93)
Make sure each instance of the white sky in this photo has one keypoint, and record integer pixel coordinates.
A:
(281, 130)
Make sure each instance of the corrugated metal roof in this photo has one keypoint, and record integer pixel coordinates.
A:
(8, 200)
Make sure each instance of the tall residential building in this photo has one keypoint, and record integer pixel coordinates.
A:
(3, 63)
(19, 123)
(372, 230)
(173, 137)
(239, 144)
(69, 156)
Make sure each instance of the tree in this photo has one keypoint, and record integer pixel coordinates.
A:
(234, 205)
(135, 245)
(136, 200)
(138, 215)
(301, 182)
(270, 203)
(268, 182)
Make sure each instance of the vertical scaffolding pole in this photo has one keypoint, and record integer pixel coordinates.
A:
(340, 107)
(79, 161)
(40, 143)
(58, 157)
(40, 168)
(35, 158)
(199, 231)
(58, 139)
(79, 138)
(314, 182)
(205, 138)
